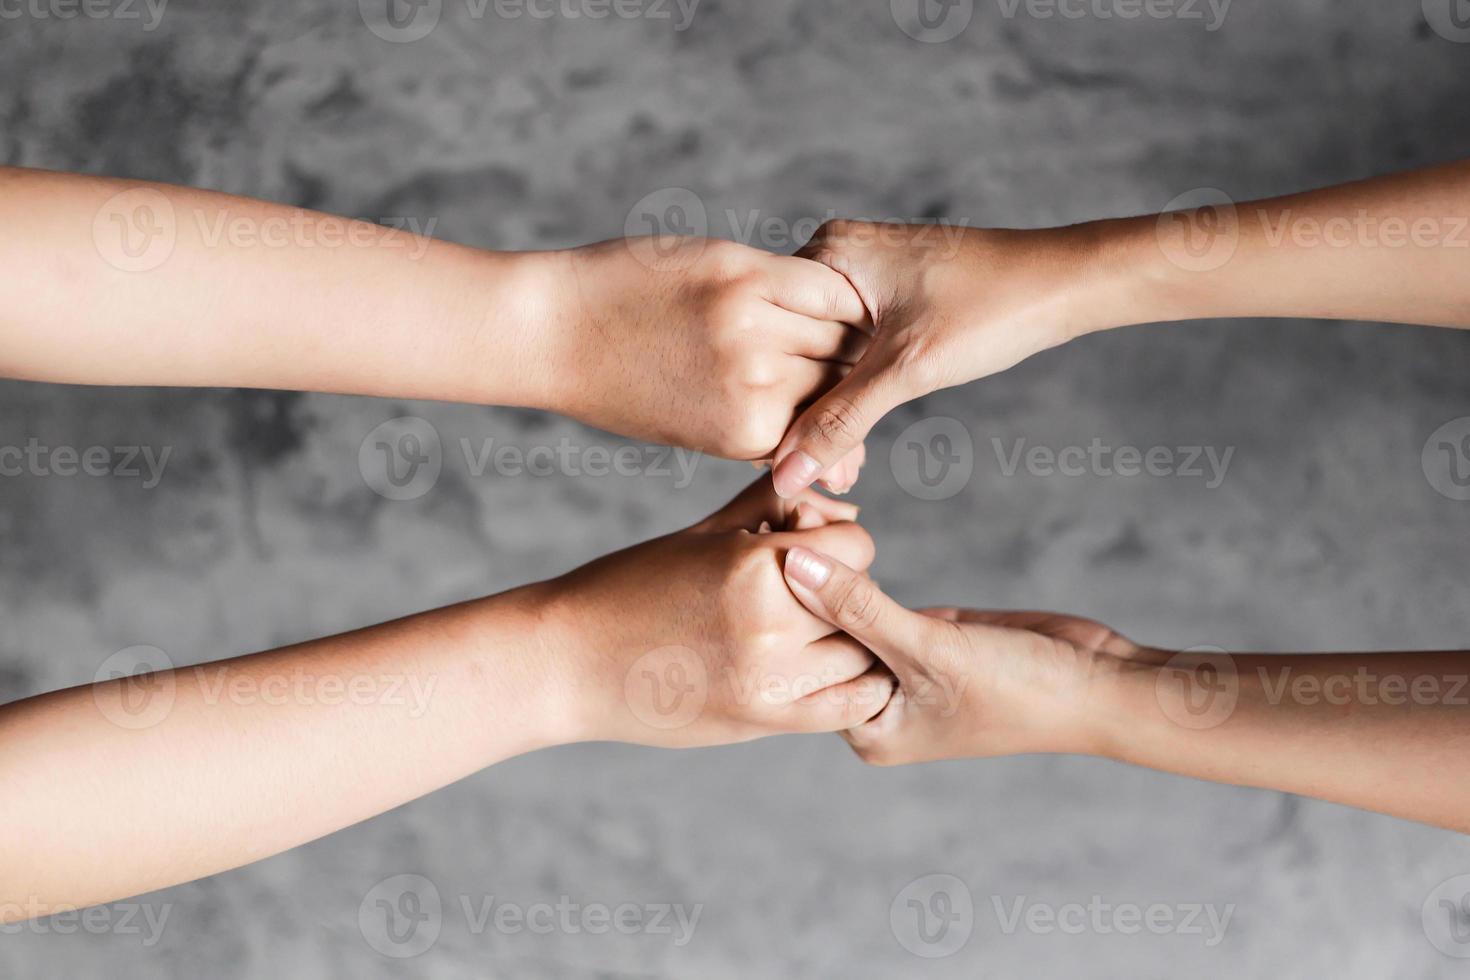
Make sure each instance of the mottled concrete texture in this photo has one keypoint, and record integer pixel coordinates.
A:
(544, 132)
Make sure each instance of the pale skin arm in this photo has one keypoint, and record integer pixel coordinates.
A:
(1383, 732)
(950, 305)
(704, 344)
(133, 784)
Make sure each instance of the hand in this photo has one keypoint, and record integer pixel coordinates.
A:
(701, 343)
(694, 639)
(946, 305)
(970, 683)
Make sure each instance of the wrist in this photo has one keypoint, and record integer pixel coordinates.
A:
(531, 672)
(514, 334)
(1123, 275)
(1129, 706)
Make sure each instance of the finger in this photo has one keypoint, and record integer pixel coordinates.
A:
(837, 423)
(820, 340)
(849, 600)
(845, 706)
(876, 740)
(844, 476)
(828, 661)
(814, 290)
(848, 543)
(758, 502)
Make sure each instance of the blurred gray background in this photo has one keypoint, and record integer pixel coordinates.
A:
(529, 131)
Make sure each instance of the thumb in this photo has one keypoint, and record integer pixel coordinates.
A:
(852, 602)
(837, 423)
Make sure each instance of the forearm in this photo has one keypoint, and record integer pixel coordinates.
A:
(1391, 249)
(111, 791)
(174, 286)
(1384, 732)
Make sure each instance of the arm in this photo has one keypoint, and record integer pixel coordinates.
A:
(1384, 732)
(692, 639)
(949, 305)
(704, 344)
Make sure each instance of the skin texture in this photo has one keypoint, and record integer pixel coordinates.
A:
(706, 345)
(1382, 732)
(947, 305)
(231, 762)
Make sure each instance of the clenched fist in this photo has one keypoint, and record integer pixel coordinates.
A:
(699, 343)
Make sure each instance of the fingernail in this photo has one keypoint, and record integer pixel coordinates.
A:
(795, 474)
(807, 568)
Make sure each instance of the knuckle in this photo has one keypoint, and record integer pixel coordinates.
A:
(857, 604)
(838, 421)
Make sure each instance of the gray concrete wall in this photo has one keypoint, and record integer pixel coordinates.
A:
(526, 132)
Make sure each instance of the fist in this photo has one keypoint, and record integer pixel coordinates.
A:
(694, 639)
(700, 343)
